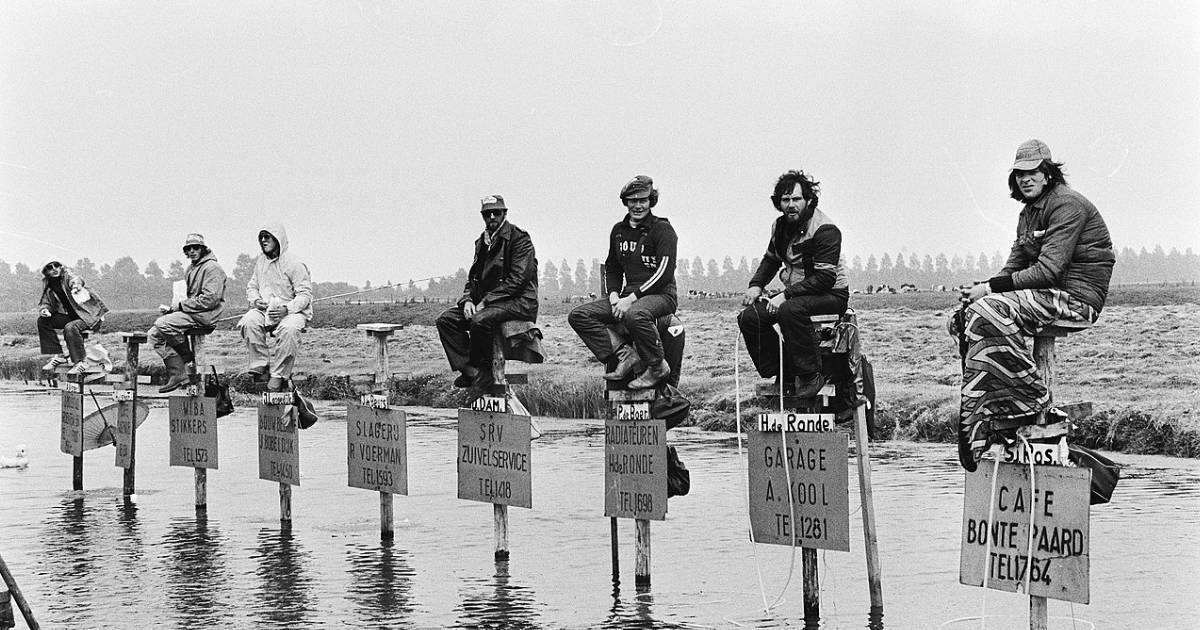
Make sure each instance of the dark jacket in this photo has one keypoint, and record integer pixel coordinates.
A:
(1062, 242)
(507, 270)
(91, 310)
(811, 258)
(205, 290)
(641, 260)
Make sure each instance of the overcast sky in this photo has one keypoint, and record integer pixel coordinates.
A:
(372, 128)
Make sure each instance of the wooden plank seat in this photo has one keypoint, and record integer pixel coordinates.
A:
(515, 340)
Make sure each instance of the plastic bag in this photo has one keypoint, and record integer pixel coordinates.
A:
(213, 388)
(679, 479)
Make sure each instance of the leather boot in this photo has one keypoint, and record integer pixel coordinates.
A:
(628, 363)
(185, 352)
(177, 375)
(652, 376)
(809, 385)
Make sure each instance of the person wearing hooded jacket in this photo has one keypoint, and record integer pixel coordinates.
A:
(640, 276)
(202, 306)
(69, 306)
(280, 296)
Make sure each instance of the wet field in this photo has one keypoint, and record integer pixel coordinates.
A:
(85, 559)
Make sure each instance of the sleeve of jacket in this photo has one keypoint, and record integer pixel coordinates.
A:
(521, 256)
(252, 293)
(769, 265)
(1066, 222)
(666, 242)
(826, 252)
(614, 271)
(301, 286)
(212, 291)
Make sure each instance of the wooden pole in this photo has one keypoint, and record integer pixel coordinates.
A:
(77, 461)
(201, 478)
(285, 505)
(132, 350)
(387, 530)
(641, 564)
(812, 585)
(200, 474)
(500, 512)
(616, 562)
(870, 536)
(1044, 357)
(19, 597)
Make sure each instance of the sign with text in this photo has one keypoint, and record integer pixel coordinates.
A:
(1058, 506)
(377, 449)
(493, 458)
(814, 511)
(123, 434)
(811, 422)
(71, 439)
(278, 446)
(193, 431)
(635, 469)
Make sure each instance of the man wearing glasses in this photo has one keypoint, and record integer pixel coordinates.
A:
(280, 296)
(203, 305)
(501, 286)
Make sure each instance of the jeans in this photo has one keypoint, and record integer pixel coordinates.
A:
(72, 333)
(590, 321)
(799, 334)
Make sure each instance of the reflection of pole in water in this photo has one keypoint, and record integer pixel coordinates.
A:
(505, 604)
(636, 614)
(197, 578)
(380, 582)
(284, 591)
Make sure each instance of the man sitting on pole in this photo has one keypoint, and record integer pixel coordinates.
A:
(201, 306)
(501, 286)
(280, 296)
(808, 247)
(640, 276)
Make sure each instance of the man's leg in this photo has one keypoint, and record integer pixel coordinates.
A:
(48, 332)
(73, 335)
(799, 334)
(590, 321)
(452, 328)
(253, 326)
(762, 342)
(167, 334)
(484, 324)
(642, 323)
(287, 332)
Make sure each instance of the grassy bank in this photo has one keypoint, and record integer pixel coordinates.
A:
(1139, 366)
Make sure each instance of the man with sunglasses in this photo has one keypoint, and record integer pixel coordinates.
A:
(69, 306)
(280, 296)
(203, 305)
(501, 286)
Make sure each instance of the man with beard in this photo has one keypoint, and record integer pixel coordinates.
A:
(501, 286)
(806, 249)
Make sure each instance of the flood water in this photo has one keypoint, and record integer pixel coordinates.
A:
(86, 560)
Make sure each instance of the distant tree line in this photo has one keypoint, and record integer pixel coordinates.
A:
(122, 285)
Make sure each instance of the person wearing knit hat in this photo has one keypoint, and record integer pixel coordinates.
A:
(806, 249)
(502, 285)
(1058, 269)
(640, 279)
(202, 306)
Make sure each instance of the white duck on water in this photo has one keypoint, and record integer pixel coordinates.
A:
(20, 461)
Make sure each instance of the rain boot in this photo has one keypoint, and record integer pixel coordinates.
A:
(652, 376)
(628, 363)
(177, 375)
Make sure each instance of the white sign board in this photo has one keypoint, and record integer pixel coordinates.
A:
(377, 449)
(1058, 506)
(635, 468)
(71, 438)
(814, 510)
(494, 458)
(278, 446)
(192, 429)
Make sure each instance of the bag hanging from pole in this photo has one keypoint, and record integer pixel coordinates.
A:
(215, 389)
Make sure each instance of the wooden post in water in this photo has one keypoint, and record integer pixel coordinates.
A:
(1044, 357)
(133, 342)
(812, 585)
(77, 460)
(641, 558)
(499, 511)
(200, 475)
(870, 536)
(383, 371)
(17, 595)
(285, 505)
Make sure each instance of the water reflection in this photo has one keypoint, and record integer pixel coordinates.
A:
(196, 573)
(380, 584)
(635, 613)
(285, 588)
(497, 603)
(70, 558)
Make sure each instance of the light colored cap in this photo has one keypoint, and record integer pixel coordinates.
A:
(193, 239)
(1030, 155)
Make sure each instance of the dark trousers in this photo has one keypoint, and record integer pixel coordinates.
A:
(72, 332)
(799, 334)
(469, 341)
(591, 322)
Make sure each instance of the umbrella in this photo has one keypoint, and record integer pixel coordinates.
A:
(99, 426)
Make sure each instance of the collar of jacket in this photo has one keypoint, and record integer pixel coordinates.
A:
(1041, 201)
(502, 232)
(645, 224)
(207, 257)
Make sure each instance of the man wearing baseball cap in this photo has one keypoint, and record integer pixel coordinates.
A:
(639, 275)
(1058, 269)
(202, 306)
(501, 286)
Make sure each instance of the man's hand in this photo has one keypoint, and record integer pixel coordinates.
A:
(976, 292)
(775, 302)
(164, 309)
(277, 312)
(45, 312)
(623, 305)
(259, 304)
(469, 309)
(752, 293)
